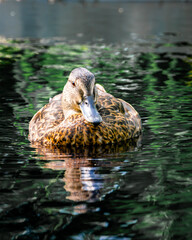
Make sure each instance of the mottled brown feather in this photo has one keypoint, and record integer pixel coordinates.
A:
(120, 122)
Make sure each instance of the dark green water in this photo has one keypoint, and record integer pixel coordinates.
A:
(142, 192)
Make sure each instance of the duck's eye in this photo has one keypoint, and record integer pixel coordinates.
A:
(73, 83)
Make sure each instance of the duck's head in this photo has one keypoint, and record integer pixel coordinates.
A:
(80, 95)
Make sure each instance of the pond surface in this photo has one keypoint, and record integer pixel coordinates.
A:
(141, 191)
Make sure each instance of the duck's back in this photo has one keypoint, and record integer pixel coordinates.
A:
(120, 122)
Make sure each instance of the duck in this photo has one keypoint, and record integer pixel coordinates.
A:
(84, 114)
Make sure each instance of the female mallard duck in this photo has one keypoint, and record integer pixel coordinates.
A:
(84, 114)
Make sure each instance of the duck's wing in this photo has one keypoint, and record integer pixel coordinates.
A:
(115, 110)
(46, 118)
(133, 115)
(100, 88)
(107, 103)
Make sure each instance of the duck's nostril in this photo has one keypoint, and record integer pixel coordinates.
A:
(96, 123)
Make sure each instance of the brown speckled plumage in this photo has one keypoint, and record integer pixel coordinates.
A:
(120, 121)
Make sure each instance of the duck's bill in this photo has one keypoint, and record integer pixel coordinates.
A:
(89, 110)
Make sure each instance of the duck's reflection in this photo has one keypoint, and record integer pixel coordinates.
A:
(88, 172)
(84, 178)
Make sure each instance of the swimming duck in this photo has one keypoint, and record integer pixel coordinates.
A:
(84, 114)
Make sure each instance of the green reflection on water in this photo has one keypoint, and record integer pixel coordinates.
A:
(161, 85)
(167, 98)
(166, 103)
(41, 73)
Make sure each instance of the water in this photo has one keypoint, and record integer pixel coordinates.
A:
(130, 192)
